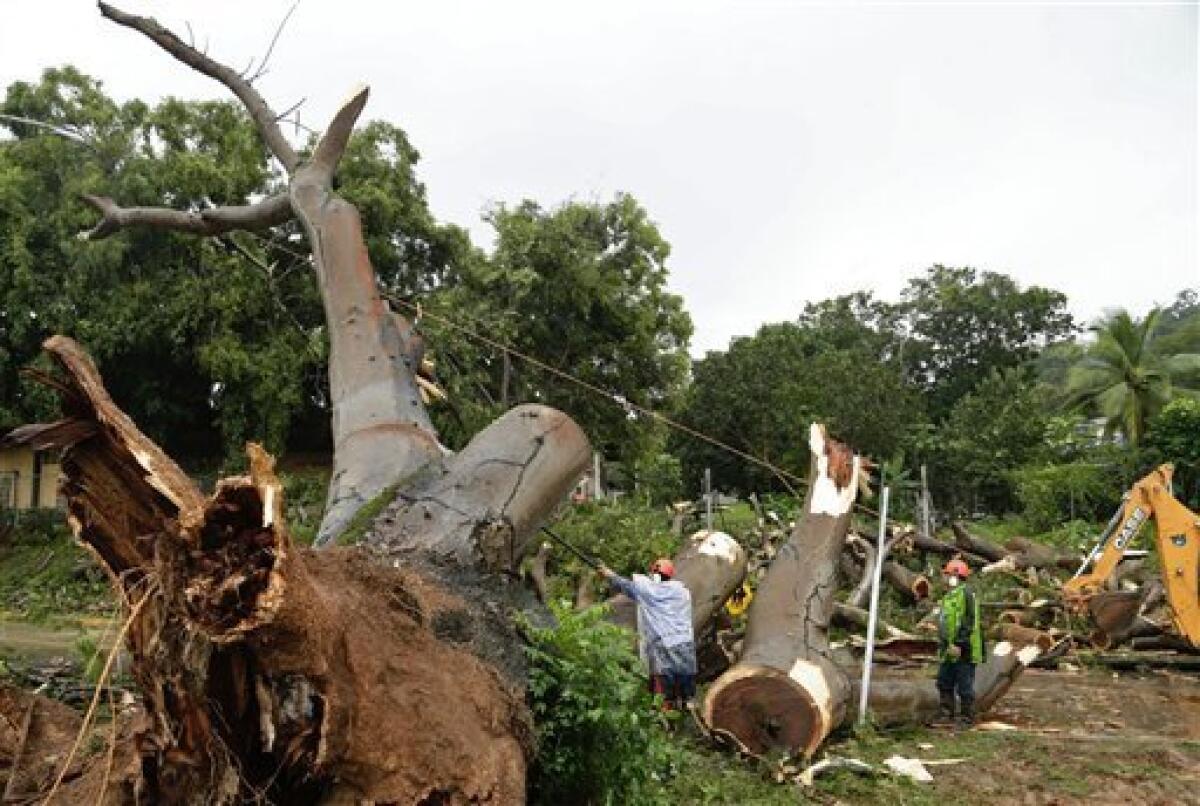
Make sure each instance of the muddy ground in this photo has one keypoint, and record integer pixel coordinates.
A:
(1086, 737)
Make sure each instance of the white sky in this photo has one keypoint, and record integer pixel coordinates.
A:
(788, 151)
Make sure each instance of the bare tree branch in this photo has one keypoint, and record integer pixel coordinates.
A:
(269, 212)
(337, 134)
(61, 131)
(262, 67)
(293, 108)
(259, 111)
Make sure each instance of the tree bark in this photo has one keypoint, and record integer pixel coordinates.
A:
(787, 691)
(585, 590)
(538, 573)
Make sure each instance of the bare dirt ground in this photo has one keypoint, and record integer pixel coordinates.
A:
(1087, 737)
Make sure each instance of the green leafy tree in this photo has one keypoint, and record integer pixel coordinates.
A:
(217, 340)
(166, 309)
(1126, 377)
(1174, 435)
(839, 364)
(964, 324)
(582, 288)
(994, 429)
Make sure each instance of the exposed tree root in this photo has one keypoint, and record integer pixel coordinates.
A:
(269, 672)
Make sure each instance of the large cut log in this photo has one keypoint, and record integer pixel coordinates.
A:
(1029, 554)
(912, 586)
(711, 564)
(786, 691)
(902, 700)
(976, 545)
(1025, 636)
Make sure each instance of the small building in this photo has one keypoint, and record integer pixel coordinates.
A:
(29, 479)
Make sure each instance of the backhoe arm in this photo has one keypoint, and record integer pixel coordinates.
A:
(1178, 541)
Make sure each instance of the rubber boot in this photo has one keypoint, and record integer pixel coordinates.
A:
(967, 717)
(946, 706)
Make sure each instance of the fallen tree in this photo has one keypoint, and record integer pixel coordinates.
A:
(968, 542)
(786, 690)
(390, 672)
(895, 700)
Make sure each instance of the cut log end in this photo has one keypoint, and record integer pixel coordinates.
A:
(767, 709)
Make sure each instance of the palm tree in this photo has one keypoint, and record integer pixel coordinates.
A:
(1126, 377)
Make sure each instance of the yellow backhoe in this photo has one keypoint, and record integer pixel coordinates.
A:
(1178, 531)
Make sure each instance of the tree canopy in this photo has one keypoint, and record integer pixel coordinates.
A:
(220, 340)
(1126, 376)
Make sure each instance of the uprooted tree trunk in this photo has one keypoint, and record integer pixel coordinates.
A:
(304, 674)
(386, 673)
(787, 691)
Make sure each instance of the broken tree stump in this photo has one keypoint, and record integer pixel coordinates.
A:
(786, 691)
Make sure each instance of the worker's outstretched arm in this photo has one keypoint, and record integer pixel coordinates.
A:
(626, 586)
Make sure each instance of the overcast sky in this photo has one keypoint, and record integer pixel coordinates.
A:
(788, 151)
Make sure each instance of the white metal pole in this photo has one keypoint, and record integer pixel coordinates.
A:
(597, 489)
(708, 499)
(874, 614)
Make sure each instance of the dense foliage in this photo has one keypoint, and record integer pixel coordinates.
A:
(600, 738)
(210, 342)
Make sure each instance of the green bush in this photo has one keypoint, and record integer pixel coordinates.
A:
(601, 738)
(625, 535)
(1053, 494)
(35, 526)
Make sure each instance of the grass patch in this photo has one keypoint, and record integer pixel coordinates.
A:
(44, 580)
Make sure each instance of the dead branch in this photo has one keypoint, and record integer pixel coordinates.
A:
(260, 112)
(262, 66)
(269, 212)
(850, 615)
